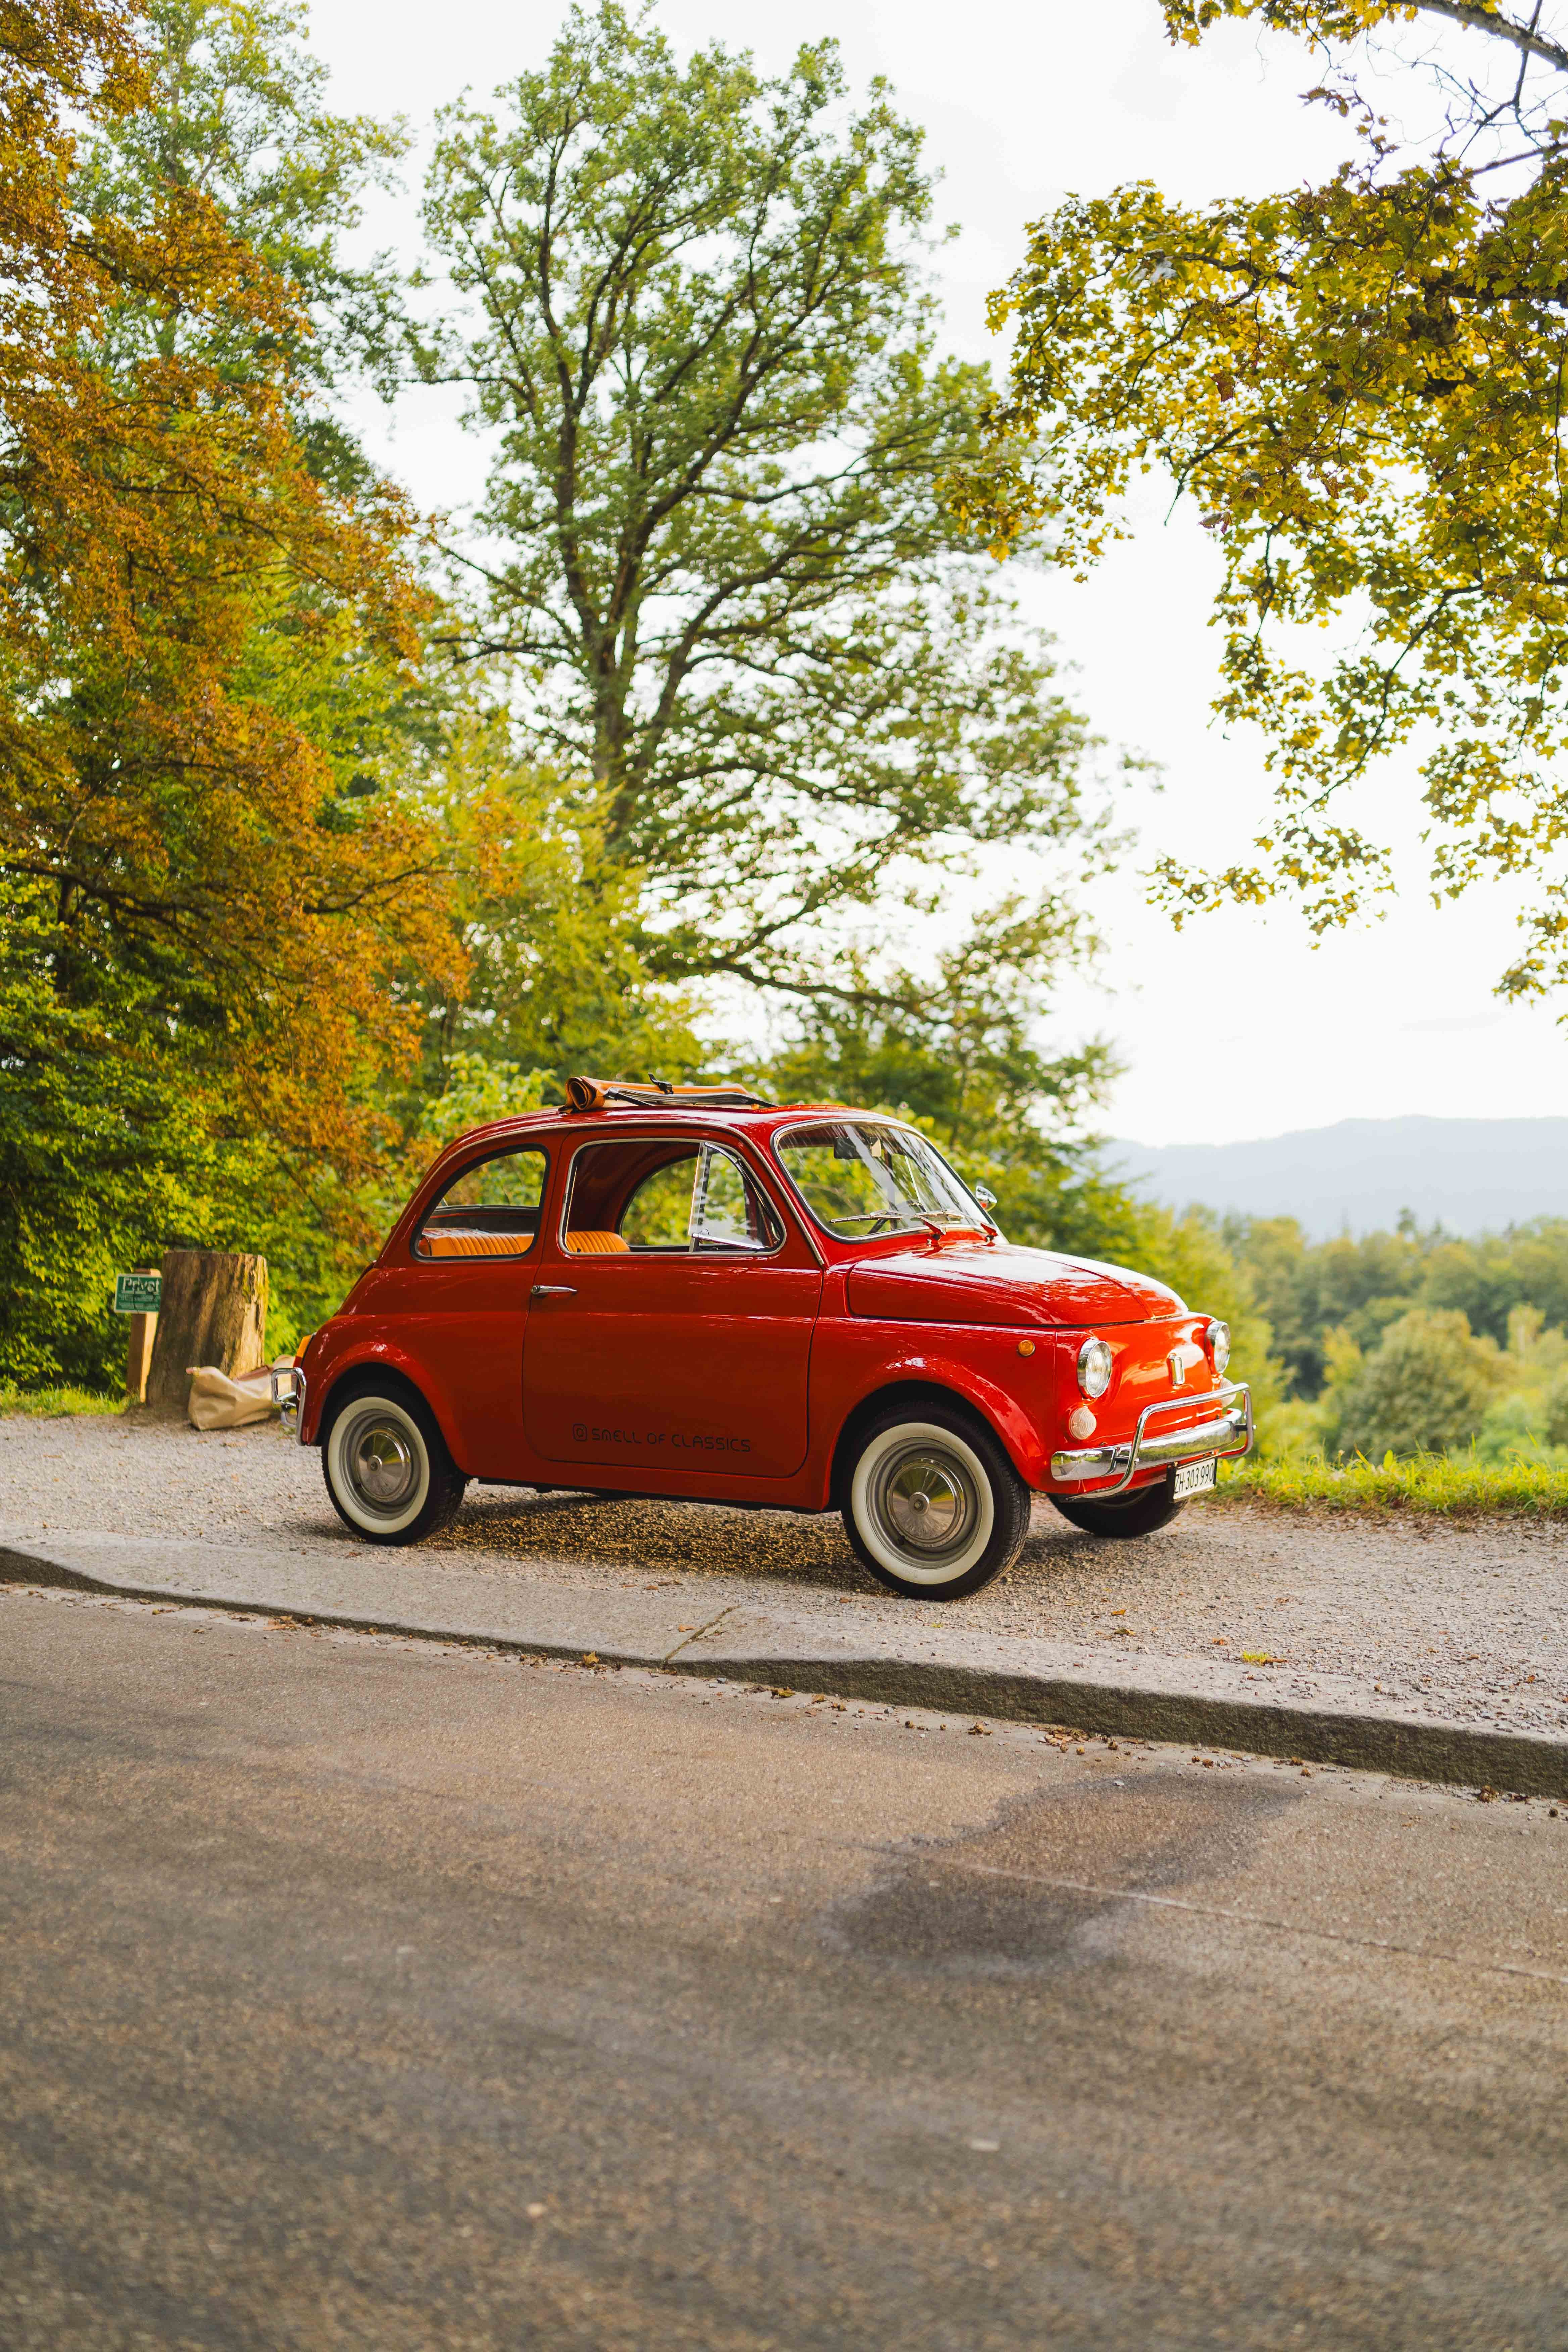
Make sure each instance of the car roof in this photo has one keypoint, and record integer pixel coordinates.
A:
(758, 1121)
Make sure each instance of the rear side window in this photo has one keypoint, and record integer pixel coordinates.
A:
(654, 1194)
(491, 1210)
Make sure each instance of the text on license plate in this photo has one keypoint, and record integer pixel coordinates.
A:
(1192, 1478)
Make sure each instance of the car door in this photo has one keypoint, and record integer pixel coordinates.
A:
(672, 1332)
(462, 1304)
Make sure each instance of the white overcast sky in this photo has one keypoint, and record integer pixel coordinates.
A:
(1236, 1027)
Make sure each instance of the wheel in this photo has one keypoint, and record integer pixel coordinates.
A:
(932, 1506)
(1140, 1513)
(386, 1465)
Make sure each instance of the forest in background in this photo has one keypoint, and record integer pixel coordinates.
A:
(1412, 1342)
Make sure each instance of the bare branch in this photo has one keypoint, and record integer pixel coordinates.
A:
(1498, 28)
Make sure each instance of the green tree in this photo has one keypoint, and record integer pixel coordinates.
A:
(1424, 1389)
(1358, 385)
(1358, 1288)
(1309, 1291)
(210, 881)
(1555, 1417)
(1190, 1252)
(958, 1046)
(1273, 1250)
(102, 1156)
(235, 114)
(712, 552)
(554, 976)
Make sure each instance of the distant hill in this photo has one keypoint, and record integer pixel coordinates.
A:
(1472, 1175)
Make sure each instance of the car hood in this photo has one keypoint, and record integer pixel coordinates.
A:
(1000, 1282)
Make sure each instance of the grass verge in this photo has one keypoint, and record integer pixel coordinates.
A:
(52, 1404)
(1427, 1482)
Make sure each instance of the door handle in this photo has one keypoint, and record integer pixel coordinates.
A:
(553, 1290)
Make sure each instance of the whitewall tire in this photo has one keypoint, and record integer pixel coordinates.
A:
(932, 1504)
(386, 1467)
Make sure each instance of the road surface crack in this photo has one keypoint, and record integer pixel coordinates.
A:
(1255, 1919)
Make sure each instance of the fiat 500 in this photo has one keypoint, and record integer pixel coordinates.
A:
(698, 1295)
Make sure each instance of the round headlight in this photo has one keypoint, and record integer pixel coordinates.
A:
(1217, 1339)
(1094, 1367)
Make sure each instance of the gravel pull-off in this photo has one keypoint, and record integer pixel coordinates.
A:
(1470, 1618)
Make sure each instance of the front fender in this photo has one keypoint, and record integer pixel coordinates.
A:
(1027, 1444)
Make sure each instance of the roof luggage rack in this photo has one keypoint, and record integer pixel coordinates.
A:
(656, 1093)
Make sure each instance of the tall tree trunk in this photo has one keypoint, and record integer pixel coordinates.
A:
(214, 1311)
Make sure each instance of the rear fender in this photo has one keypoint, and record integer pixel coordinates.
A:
(326, 1374)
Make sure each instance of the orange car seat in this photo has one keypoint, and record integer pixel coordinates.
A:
(597, 1244)
(449, 1241)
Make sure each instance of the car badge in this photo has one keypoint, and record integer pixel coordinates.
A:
(1178, 1360)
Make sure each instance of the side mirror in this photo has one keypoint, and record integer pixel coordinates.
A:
(985, 1196)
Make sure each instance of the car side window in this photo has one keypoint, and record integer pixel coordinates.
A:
(668, 1196)
(490, 1210)
(659, 1213)
(727, 1211)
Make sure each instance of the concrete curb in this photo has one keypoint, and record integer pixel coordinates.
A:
(1529, 1764)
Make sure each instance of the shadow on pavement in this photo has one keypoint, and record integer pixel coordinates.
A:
(1033, 1892)
(704, 1538)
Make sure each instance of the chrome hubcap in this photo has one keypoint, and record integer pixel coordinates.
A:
(927, 1502)
(381, 1463)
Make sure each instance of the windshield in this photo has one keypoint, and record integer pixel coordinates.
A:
(858, 1181)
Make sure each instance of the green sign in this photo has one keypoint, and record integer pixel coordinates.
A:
(138, 1293)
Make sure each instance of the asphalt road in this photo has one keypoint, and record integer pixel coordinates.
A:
(357, 1993)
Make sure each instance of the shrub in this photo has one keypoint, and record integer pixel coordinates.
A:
(1424, 1388)
(1514, 1430)
(1554, 1416)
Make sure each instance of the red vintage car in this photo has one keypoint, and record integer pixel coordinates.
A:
(693, 1293)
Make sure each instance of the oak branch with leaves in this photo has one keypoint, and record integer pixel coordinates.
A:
(1360, 386)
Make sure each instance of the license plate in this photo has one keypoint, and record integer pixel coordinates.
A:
(1193, 1478)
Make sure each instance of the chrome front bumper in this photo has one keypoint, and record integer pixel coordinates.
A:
(289, 1396)
(1228, 1432)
